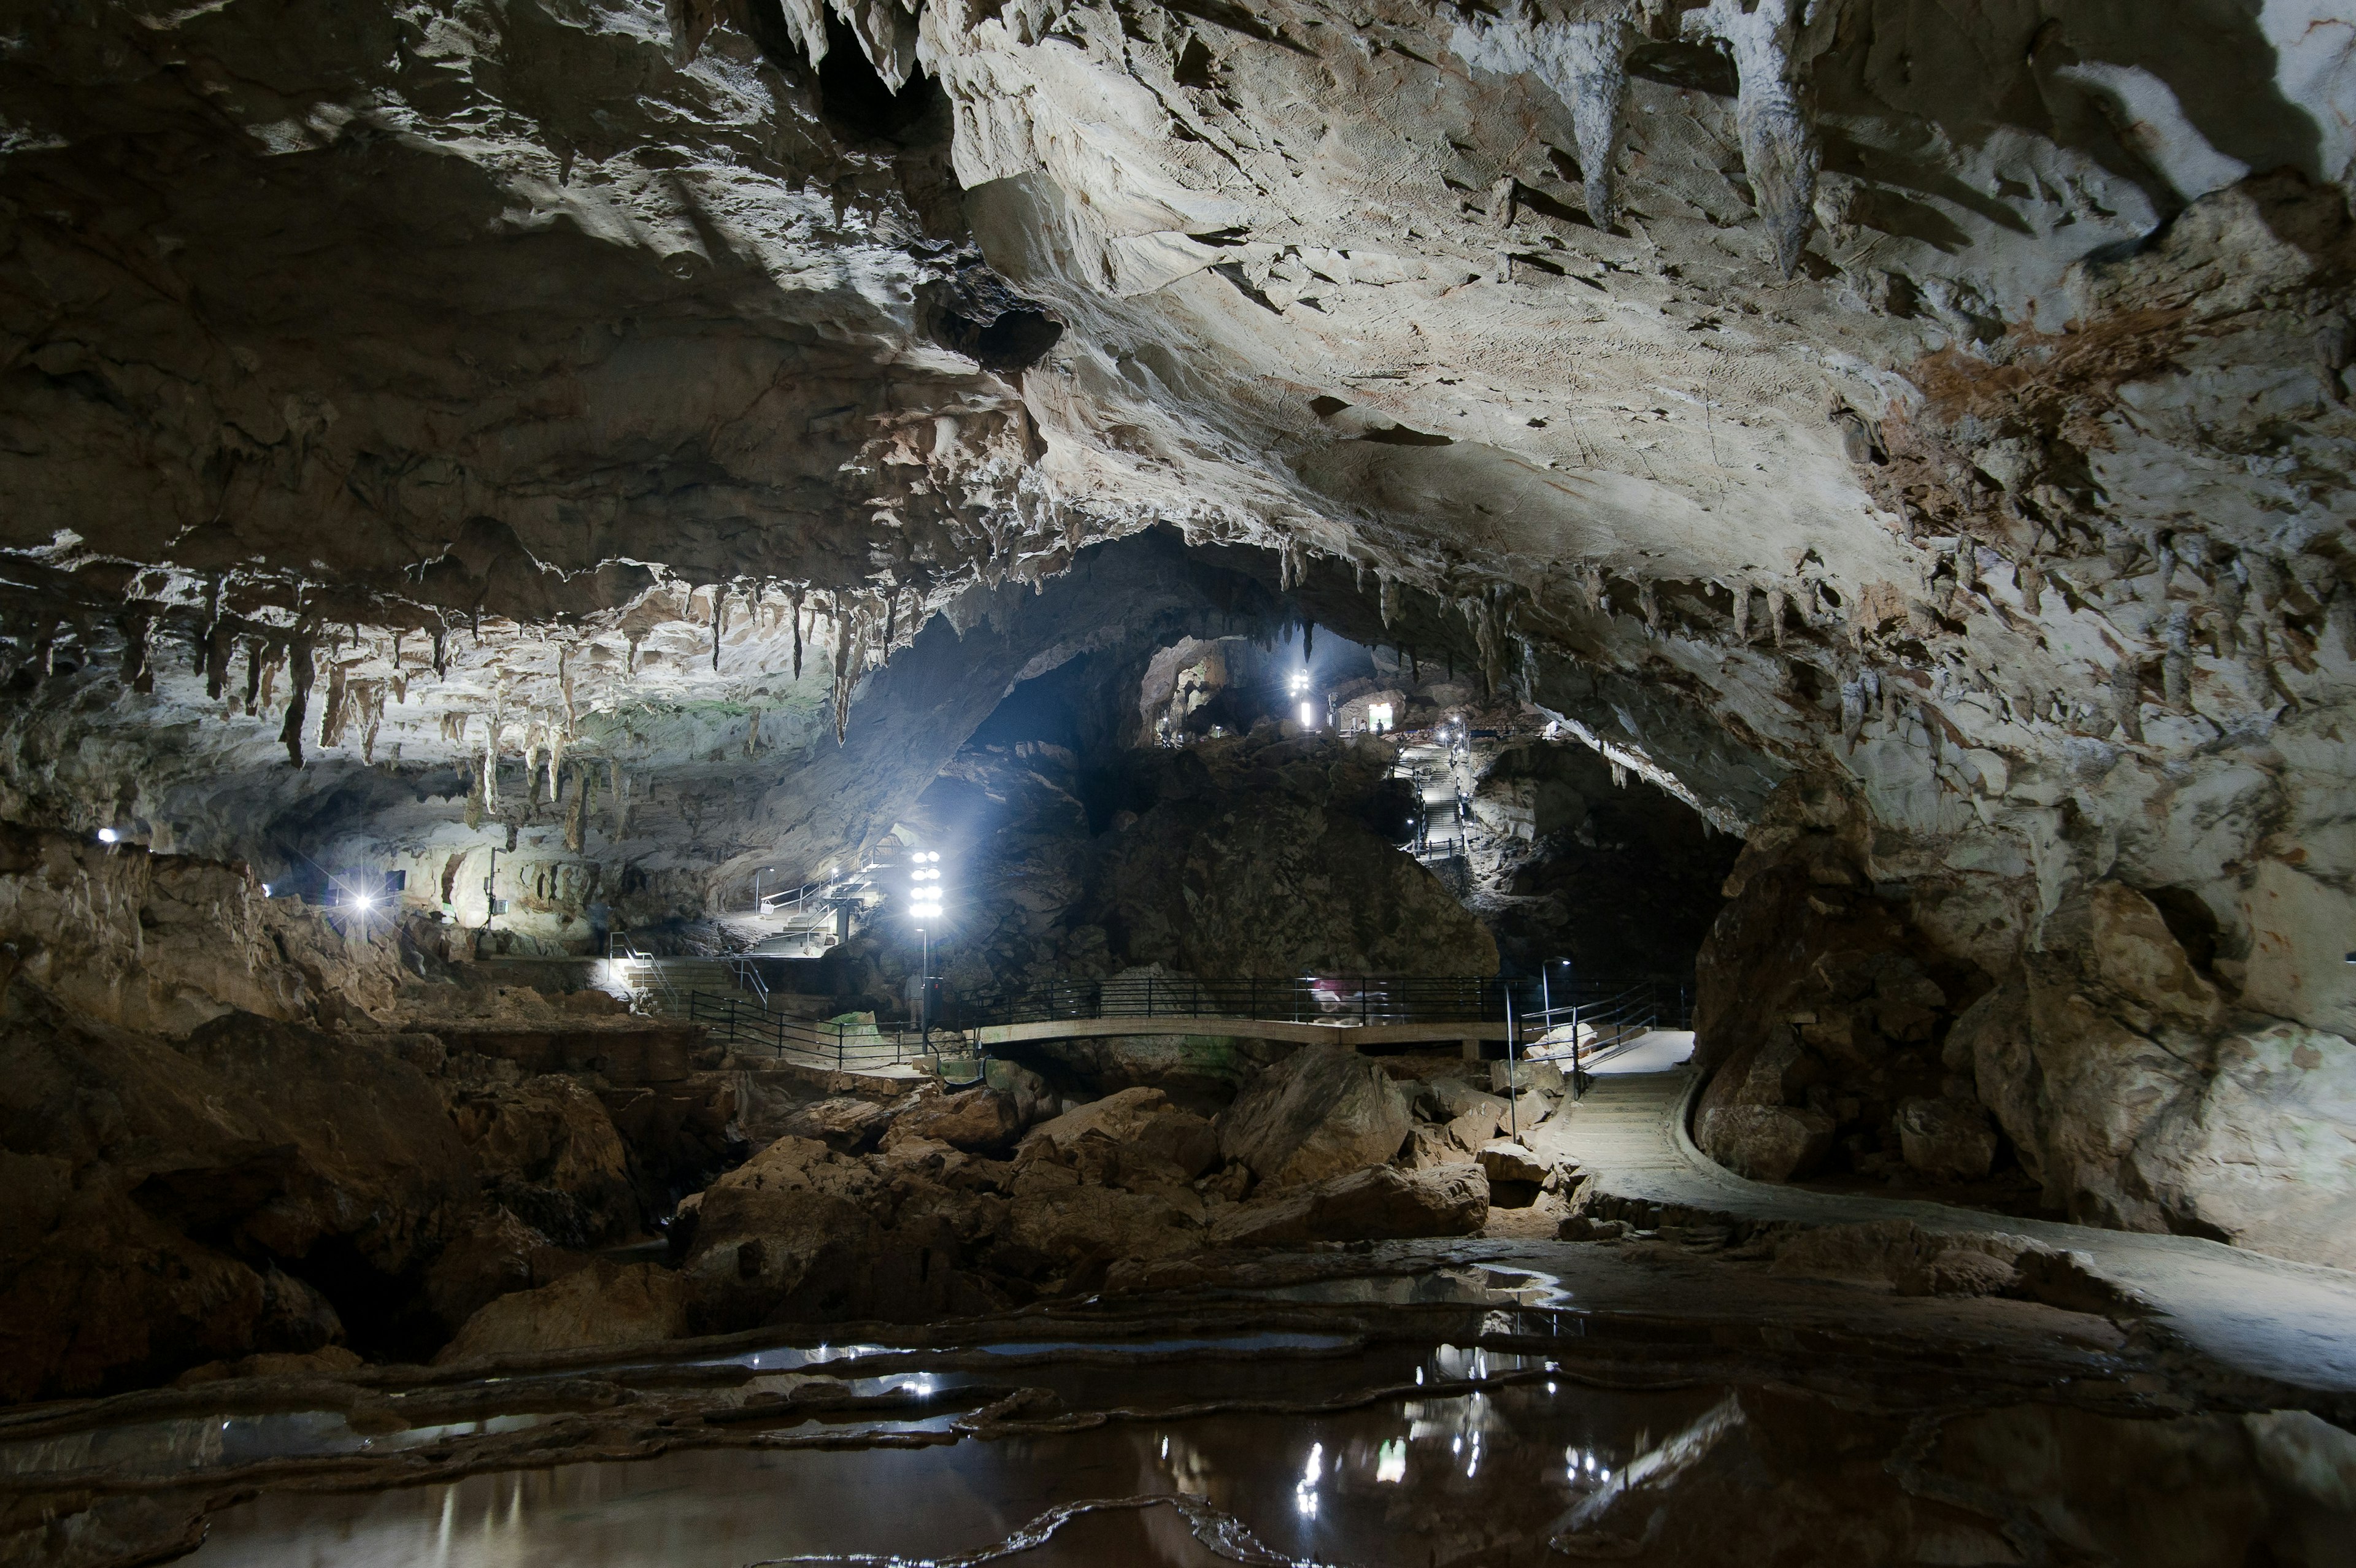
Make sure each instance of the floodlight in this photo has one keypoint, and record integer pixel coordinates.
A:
(108, 836)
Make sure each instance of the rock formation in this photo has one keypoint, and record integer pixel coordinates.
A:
(539, 469)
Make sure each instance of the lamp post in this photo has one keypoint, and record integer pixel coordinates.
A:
(925, 907)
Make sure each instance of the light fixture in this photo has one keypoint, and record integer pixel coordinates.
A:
(109, 836)
(363, 902)
(1306, 720)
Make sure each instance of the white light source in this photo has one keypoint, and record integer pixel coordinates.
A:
(108, 836)
(1306, 719)
(363, 902)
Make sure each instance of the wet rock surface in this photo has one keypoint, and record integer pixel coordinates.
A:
(1454, 1379)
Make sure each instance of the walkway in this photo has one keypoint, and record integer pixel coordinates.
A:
(2262, 1316)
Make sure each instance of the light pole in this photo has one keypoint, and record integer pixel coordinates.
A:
(925, 907)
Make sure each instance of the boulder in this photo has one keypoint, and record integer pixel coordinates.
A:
(548, 1150)
(978, 1120)
(1142, 1122)
(496, 1257)
(845, 1124)
(1454, 1096)
(605, 1306)
(1319, 1112)
(1427, 1146)
(1504, 1160)
(1530, 1107)
(1946, 1139)
(791, 1215)
(1541, 1075)
(1766, 1143)
(140, 1174)
(1477, 1126)
(1080, 1222)
(1377, 1203)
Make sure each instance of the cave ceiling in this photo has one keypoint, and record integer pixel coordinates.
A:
(1954, 397)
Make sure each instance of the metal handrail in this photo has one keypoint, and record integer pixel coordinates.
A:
(748, 975)
(845, 1047)
(1359, 998)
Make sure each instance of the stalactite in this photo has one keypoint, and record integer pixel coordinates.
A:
(331, 716)
(577, 811)
(217, 644)
(299, 676)
(844, 675)
(134, 625)
(797, 612)
(1779, 146)
(1742, 591)
(441, 653)
(2031, 580)
(491, 727)
(719, 620)
(1386, 597)
(1583, 63)
(1775, 613)
(1594, 55)
(1646, 605)
(619, 786)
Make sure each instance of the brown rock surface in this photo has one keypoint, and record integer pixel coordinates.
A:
(1379, 1202)
(1766, 1143)
(979, 1120)
(548, 1150)
(1322, 1111)
(147, 1175)
(605, 1306)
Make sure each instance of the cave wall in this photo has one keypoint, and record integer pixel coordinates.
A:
(1945, 407)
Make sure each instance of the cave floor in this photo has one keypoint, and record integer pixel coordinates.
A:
(2263, 1316)
(1418, 1403)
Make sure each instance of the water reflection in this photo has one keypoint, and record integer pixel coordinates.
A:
(1525, 1471)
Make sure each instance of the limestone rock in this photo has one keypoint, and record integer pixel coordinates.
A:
(548, 1150)
(1142, 1122)
(1766, 1143)
(493, 1257)
(605, 1306)
(1476, 1126)
(1947, 1139)
(1541, 1077)
(978, 1119)
(1506, 1159)
(844, 1124)
(1453, 1096)
(1322, 1111)
(1377, 1203)
(269, 1139)
(1427, 1146)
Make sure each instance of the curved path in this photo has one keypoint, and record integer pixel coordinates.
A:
(2266, 1317)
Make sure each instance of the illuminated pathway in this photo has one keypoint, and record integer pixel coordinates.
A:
(2258, 1315)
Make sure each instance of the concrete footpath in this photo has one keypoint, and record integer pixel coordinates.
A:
(2259, 1315)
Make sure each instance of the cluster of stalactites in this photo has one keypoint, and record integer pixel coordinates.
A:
(1582, 60)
